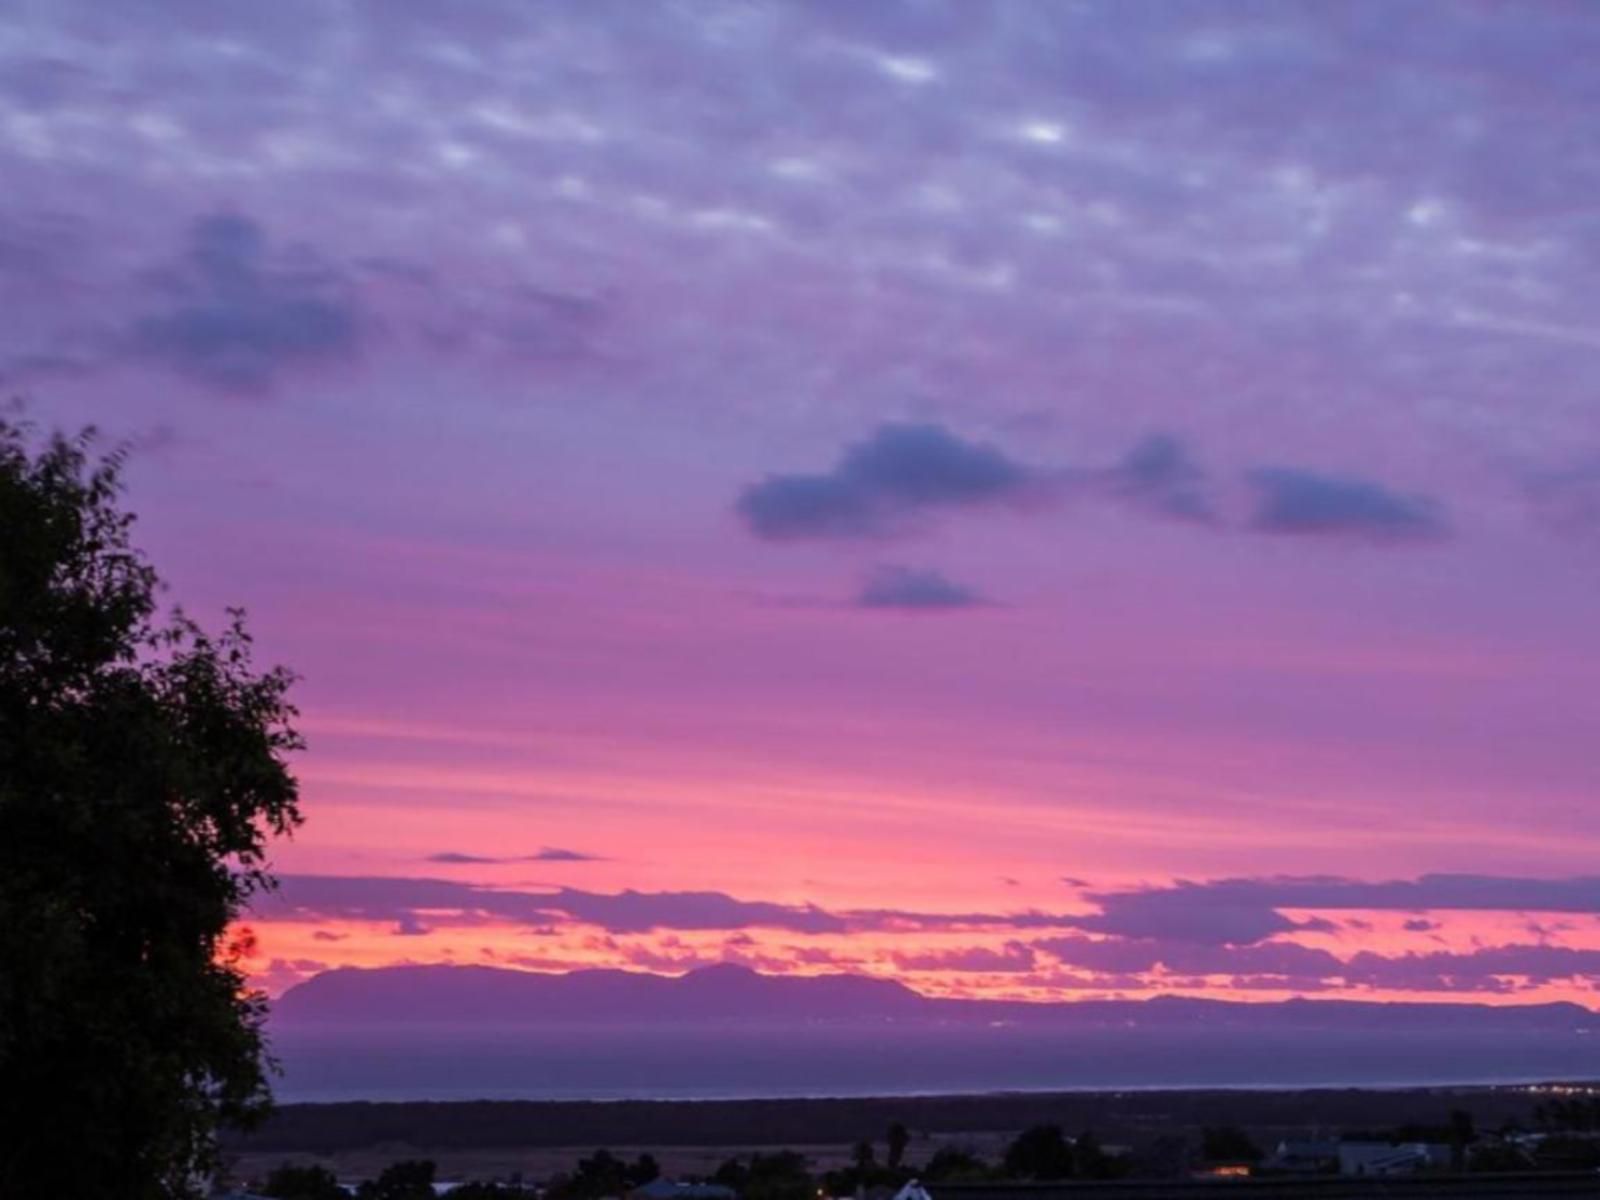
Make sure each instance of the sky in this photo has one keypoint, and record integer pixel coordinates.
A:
(1023, 497)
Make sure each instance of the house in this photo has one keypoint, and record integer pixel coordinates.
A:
(671, 1189)
(1382, 1158)
(1303, 1158)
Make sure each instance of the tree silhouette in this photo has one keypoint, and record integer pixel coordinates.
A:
(1228, 1143)
(1041, 1152)
(142, 771)
(954, 1163)
(409, 1180)
(899, 1138)
(290, 1182)
(603, 1174)
(780, 1175)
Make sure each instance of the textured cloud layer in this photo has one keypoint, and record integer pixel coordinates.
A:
(1225, 934)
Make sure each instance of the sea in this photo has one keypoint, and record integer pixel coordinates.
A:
(438, 1062)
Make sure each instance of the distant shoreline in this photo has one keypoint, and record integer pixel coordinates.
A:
(1406, 1085)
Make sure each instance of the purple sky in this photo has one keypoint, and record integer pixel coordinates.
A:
(916, 458)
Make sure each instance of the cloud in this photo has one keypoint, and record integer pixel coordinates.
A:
(1232, 928)
(1141, 955)
(1159, 476)
(401, 899)
(545, 854)
(890, 483)
(1288, 966)
(390, 898)
(233, 314)
(1304, 503)
(1244, 911)
(1420, 925)
(883, 485)
(916, 588)
(408, 924)
(1487, 969)
(557, 854)
(1189, 913)
(1015, 958)
(637, 912)
(1464, 892)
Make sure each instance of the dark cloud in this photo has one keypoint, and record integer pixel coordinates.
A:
(889, 483)
(545, 854)
(1160, 476)
(1244, 911)
(1420, 925)
(386, 898)
(1490, 969)
(233, 313)
(637, 912)
(1288, 966)
(1173, 914)
(557, 854)
(1015, 958)
(1462, 892)
(408, 924)
(1139, 955)
(916, 588)
(881, 485)
(1222, 928)
(1305, 503)
(378, 898)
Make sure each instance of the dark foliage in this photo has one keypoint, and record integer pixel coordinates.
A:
(1091, 1161)
(1499, 1156)
(782, 1175)
(1041, 1152)
(1228, 1144)
(410, 1180)
(141, 774)
(603, 1174)
(1580, 1114)
(899, 1137)
(951, 1164)
(290, 1182)
(1568, 1153)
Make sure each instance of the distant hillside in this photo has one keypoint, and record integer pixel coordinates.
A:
(724, 994)
(474, 994)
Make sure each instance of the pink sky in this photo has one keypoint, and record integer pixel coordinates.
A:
(830, 469)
